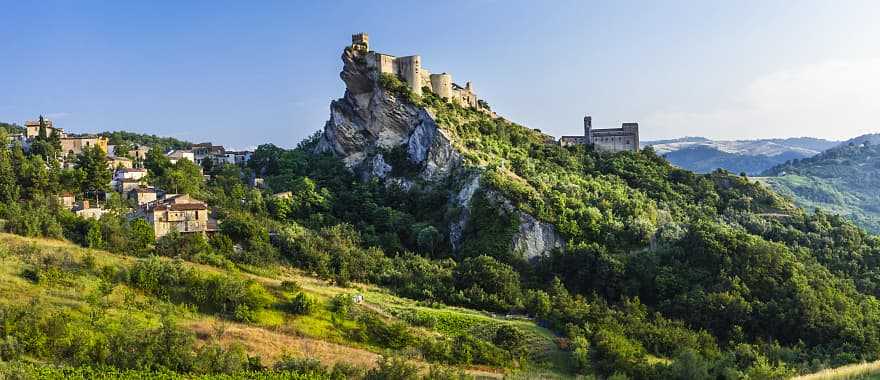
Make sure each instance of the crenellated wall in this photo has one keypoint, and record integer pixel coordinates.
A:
(410, 69)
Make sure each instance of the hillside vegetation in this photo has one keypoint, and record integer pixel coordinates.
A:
(65, 304)
(843, 180)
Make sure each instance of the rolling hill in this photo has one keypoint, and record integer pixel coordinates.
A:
(703, 155)
(842, 180)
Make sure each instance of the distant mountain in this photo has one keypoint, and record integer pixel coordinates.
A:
(703, 155)
(843, 180)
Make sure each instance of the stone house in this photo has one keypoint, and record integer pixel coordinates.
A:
(177, 212)
(33, 128)
(140, 152)
(143, 195)
(85, 210)
(179, 154)
(68, 200)
(116, 162)
(126, 179)
(127, 184)
(75, 145)
(206, 150)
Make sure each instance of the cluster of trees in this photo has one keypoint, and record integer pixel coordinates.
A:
(31, 181)
(125, 140)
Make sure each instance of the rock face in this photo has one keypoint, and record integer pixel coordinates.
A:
(368, 121)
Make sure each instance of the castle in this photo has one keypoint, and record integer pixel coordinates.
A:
(411, 71)
(625, 138)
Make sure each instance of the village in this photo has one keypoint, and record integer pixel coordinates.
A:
(164, 209)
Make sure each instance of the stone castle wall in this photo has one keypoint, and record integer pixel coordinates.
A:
(410, 69)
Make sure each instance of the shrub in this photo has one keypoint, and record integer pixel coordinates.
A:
(342, 304)
(302, 304)
(300, 365)
(290, 286)
(395, 368)
(394, 335)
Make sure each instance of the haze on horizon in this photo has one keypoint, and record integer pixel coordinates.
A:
(240, 74)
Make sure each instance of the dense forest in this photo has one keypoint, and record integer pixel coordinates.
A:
(665, 274)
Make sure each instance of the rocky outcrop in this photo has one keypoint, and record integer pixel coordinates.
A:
(369, 121)
(534, 237)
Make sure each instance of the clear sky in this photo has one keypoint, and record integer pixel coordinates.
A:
(241, 73)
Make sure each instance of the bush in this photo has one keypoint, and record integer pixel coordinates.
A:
(342, 304)
(394, 335)
(395, 368)
(290, 286)
(300, 365)
(302, 304)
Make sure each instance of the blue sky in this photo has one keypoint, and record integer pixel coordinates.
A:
(244, 73)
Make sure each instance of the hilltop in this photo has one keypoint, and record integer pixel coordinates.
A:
(752, 157)
(842, 180)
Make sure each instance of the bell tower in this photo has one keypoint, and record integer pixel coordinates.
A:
(588, 129)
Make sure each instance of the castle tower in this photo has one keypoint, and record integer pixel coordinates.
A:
(632, 130)
(441, 84)
(410, 69)
(360, 41)
(588, 129)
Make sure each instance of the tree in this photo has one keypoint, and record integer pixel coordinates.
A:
(93, 235)
(266, 159)
(9, 190)
(184, 177)
(122, 149)
(55, 139)
(140, 237)
(96, 175)
(157, 163)
(488, 283)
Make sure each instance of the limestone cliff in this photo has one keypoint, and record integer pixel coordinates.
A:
(369, 121)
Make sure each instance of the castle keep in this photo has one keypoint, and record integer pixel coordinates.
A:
(410, 69)
(625, 138)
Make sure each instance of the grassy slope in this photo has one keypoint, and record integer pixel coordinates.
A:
(274, 334)
(862, 371)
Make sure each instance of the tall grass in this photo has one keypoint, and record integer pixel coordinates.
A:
(862, 371)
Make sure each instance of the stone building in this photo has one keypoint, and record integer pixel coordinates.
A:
(119, 162)
(140, 152)
(143, 195)
(625, 138)
(33, 127)
(67, 200)
(205, 151)
(75, 145)
(410, 69)
(180, 154)
(177, 212)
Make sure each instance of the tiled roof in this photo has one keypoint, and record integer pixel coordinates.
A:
(188, 206)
